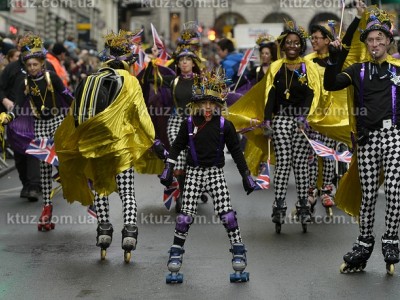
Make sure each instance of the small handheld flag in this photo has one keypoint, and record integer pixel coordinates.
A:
(44, 150)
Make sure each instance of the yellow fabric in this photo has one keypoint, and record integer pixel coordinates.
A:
(107, 144)
(330, 115)
(249, 111)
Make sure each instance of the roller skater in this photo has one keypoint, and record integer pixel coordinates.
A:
(104, 238)
(207, 133)
(376, 86)
(390, 251)
(356, 260)
(45, 219)
(239, 263)
(174, 264)
(129, 239)
(109, 139)
(278, 216)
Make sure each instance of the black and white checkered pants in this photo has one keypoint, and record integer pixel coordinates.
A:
(174, 123)
(382, 150)
(212, 181)
(126, 191)
(328, 168)
(46, 129)
(291, 150)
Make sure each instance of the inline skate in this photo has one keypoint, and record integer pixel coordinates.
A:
(104, 238)
(356, 260)
(129, 240)
(239, 263)
(390, 251)
(45, 223)
(303, 214)
(327, 199)
(278, 216)
(175, 264)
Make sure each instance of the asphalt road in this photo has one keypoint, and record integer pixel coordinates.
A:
(65, 263)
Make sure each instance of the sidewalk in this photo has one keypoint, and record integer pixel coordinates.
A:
(6, 166)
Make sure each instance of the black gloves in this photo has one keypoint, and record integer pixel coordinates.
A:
(159, 149)
(248, 183)
(166, 176)
(268, 131)
(302, 123)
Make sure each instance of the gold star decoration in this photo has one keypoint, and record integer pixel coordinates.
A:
(37, 43)
(302, 79)
(35, 91)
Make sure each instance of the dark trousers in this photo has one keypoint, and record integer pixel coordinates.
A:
(28, 170)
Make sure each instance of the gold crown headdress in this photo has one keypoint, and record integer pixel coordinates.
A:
(328, 28)
(210, 85)
(378, 20)
(119, 46)
(31, 47)
(264, 39)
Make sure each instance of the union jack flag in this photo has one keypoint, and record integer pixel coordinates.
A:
(160, 45)
(44, 150)
(245, 60)
(329, 153)
(92, 211)
(171, 193)
(263, 179)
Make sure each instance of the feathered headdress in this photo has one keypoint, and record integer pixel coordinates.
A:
(264, 39)
(31, 47)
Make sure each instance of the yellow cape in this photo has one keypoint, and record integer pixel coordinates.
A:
(105, 145)
(249, 111)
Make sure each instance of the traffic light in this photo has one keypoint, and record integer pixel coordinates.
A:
(211, 35)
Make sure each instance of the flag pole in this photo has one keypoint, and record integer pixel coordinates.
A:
(341, 19)
(240, 77)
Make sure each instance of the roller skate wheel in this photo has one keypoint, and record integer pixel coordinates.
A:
(278, 228)
(245, 276)
(390, 269)
(304, 226)
(103, 253)
(174, 278)
(329, 212)
(127, 257)
(343, 268)
(39, 227)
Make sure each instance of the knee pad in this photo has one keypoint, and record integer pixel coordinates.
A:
(183, 223)
(229, 220)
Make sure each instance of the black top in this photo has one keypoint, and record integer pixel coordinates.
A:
(183, 94)
(300, 99)
(377, 92)
(11, 78)
(206, 141)
(62, 96)
(254, 75)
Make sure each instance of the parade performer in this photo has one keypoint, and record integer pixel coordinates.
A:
(48, 100)
(206, 133)
(291, 85)
(188, 62)
(108, 135)
(376, 108)
(330, 116)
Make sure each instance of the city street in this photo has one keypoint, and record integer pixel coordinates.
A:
(65, 263)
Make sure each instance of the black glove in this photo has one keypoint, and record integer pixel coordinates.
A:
(333, 54)
(159, 149)
(166, 176)
(268, 131)
(248, 183)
